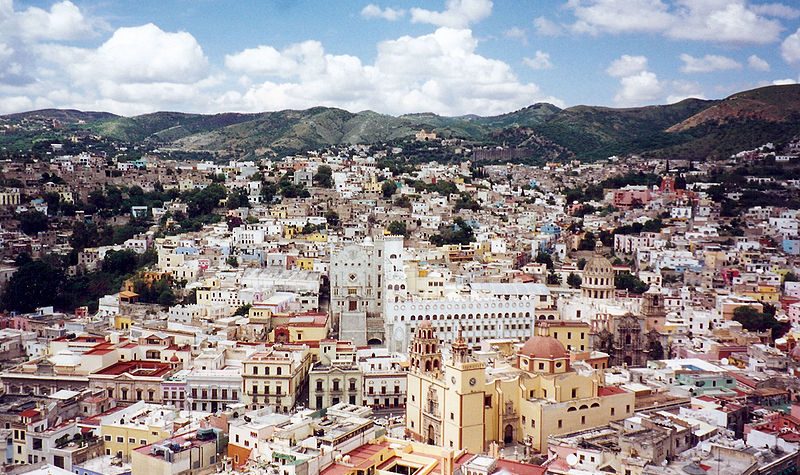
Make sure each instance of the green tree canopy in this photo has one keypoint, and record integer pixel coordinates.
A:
(33, 222)
(324, 176)
(388, 188)
(34, 284)
(574, 280)
(397, 228)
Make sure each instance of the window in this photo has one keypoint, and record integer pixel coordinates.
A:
(255, 370)
(131, 440)
(120, 439)
(574, 392)
(628, 408)
(107, 438)
(612, 411)
(560, 423)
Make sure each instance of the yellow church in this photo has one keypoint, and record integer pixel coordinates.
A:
(466, 404)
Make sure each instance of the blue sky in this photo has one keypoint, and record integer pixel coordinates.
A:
(450, 57)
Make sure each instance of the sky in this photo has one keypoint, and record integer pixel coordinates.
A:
(450, 57)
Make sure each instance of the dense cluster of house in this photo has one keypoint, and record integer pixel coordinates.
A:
(438, 318)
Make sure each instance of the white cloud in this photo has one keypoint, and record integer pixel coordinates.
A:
(457, 13)
(732, 21)
(637, 85)
(778, 10)
(708, 63)
(541, 60)
(138, 69)
(267, 61)
(388, 13)
(638, 89)
(784, 82)
(516, 33)
(627, 65)
(619, 16)
(757, 64)
(63, 21)
(145, 54)
(790, 48)
(545, 27)
(439, 72)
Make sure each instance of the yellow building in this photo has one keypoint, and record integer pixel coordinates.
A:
(304, 263)
(459, 405)
(275, 377)
(9, 197)
(317, 237)
(573, 334)
(123, 322)
(135, 426)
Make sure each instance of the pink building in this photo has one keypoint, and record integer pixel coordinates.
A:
(631, 196)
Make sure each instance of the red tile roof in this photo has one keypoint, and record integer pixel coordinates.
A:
(609, 391)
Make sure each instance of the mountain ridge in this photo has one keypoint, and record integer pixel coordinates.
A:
(685, 129)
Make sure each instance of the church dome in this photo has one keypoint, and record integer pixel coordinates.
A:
(543, 347)
(598, 266)
(598, 276)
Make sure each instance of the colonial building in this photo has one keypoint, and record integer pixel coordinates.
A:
(336, 377)
(274, 377)
(524, 398)
(360, 275)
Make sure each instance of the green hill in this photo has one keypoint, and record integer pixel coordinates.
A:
(692, 128)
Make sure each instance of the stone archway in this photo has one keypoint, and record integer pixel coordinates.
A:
(431, 435)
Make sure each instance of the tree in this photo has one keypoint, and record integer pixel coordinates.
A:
(243, 310)
(232, 261)
(397, 228)
(553, 278)
(459, 233)
(269, 191)
(34, 284)
(120, 262)
(204, 201)
(388, 188)
(574, 280)
(97, 199)
(324, 176)
(403, 202)
(238, 198)
(581, 263)
(629, 282)
(588, 242)
(753, 320)
(53, 201)
(544, 258)
(332, 217)
(33, 222)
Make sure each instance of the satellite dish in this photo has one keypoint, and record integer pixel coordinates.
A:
(724, 361)
(572, 460)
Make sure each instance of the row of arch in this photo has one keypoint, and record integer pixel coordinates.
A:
(466, 316)
(583, 407)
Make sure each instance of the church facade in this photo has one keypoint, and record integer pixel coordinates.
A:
(522, 400)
